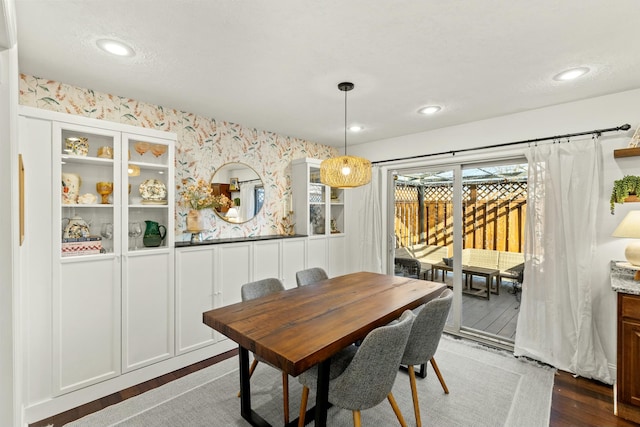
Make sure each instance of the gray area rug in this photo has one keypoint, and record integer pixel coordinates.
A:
(487, 388)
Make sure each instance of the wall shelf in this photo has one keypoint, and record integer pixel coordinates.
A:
(626, 152)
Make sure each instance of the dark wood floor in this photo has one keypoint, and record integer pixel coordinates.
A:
(576, 401)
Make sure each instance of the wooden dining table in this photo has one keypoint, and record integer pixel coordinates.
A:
(296, 329)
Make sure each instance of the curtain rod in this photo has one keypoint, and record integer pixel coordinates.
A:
(598, 132)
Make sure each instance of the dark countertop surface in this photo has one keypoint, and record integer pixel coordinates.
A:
(235, 240)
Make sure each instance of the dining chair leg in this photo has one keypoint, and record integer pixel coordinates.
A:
(414, 394)
(285, 396)
(251, 369)
(394, 405)
(303, 405)
(435, 368)
(356, 419)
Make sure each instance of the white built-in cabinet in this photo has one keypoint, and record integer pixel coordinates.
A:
(93, 314)
(319, 209)
(319, 212)
(101, 320)
(195, 294)
(210, 276)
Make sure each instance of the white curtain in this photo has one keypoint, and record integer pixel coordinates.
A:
(370, 226)
(555, 323)
(247, 200)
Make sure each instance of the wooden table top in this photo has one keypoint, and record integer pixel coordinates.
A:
(298, 328)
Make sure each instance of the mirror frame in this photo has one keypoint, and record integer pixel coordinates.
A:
(227, 180)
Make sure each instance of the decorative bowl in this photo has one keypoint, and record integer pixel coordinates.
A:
(77, 145)
(158, 149)
(142, 147)
(153, 190)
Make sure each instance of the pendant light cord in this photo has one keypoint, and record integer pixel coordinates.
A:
(345, 122)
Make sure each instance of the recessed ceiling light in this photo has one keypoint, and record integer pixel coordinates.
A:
(115, 47)
(432, 109)
(571, 74)
(356, 128)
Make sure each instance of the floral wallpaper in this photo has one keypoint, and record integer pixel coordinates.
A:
(203, 145)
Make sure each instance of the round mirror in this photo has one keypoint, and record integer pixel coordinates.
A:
(243, 186)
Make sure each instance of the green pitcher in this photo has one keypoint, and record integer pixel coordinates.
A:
(153, 234)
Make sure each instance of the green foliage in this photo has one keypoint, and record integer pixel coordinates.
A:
(622, 188)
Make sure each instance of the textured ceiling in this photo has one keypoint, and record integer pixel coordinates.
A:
(275, 65)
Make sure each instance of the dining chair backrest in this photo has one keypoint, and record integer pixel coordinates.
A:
(427, 330)
(310, 275)
(260, 288)
(370, 376)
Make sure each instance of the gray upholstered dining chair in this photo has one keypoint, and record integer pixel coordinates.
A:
(423, 342)
(257, 289)
(310, 275)
(368, 378)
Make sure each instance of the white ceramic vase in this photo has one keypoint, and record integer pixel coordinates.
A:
(70, 188)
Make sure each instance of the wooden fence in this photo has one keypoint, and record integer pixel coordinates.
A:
(493, 215)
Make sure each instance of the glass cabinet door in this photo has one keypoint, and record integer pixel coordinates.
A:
(149, 192)
(317, 205)
(88, 190)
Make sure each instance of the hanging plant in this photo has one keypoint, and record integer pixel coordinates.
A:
(623, 188)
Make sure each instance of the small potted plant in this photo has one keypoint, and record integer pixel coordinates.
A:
(623, 188)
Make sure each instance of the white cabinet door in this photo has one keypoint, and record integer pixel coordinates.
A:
(337, 256)
(233, 272)
(266, 256)
(318, 253)
(147, 305)
(194, 293)
(86, 323)
(294, 255)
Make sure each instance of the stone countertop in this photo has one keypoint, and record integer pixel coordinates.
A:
(205, 242)
(622, 279)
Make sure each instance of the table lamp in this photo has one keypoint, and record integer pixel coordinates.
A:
(630, 228)
(232, 214)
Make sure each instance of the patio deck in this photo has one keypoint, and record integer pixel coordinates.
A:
(497, 315)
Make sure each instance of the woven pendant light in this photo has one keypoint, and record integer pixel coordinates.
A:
(345, 171)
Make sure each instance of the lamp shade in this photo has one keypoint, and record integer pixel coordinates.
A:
(232, 213)
(630, 228)
(345, 172)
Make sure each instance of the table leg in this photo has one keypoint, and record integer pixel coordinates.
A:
(498, 283)
(245, 389)
(245, 392)
(322, 393)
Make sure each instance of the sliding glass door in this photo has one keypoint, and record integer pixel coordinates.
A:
(464, 224)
